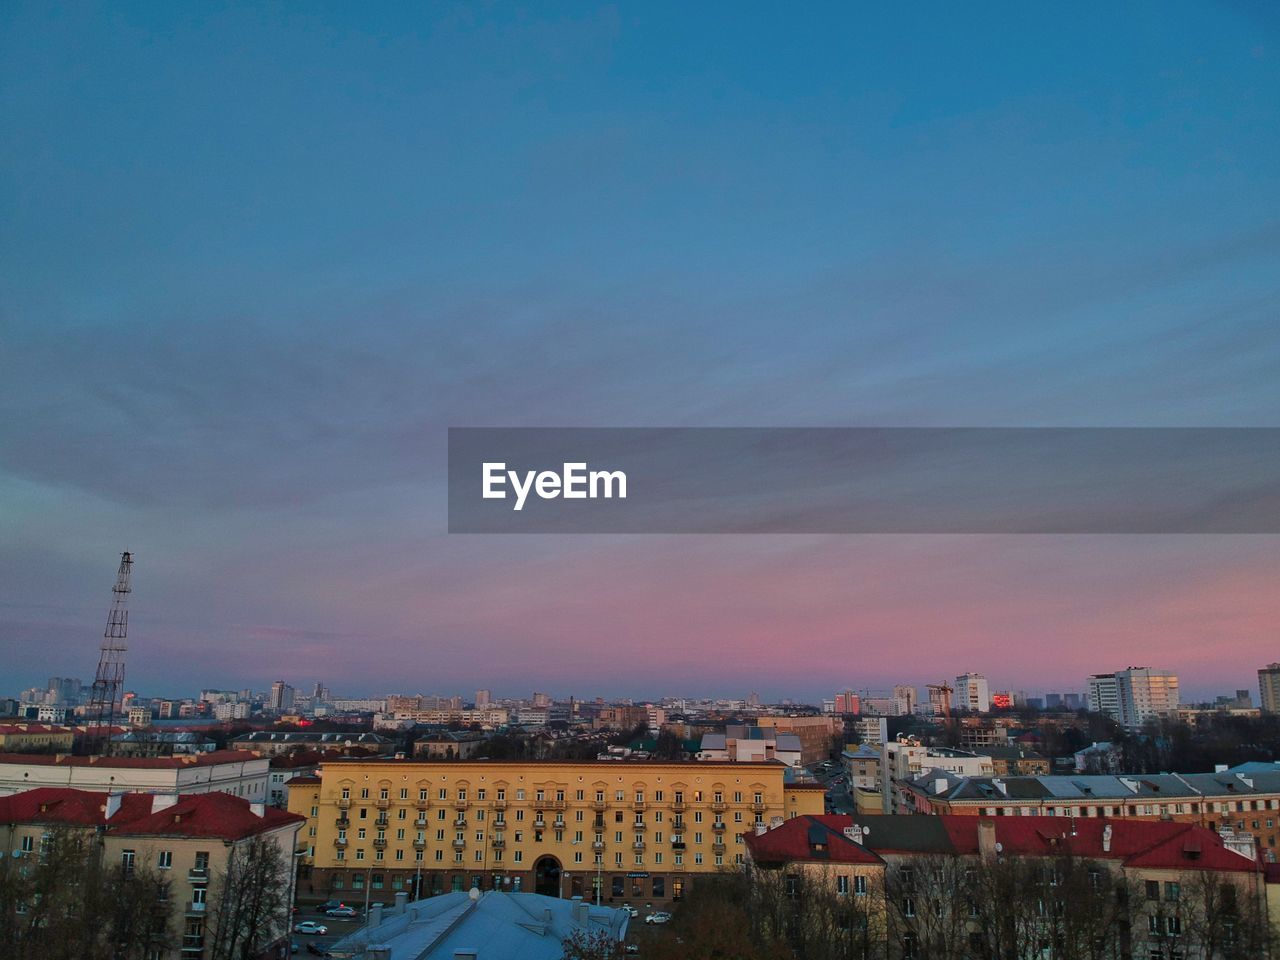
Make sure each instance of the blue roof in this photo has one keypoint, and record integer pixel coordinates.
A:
(493, 924)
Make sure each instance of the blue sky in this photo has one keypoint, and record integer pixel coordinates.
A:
(258, 258)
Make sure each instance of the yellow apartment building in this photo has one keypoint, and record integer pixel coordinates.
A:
(622, 831)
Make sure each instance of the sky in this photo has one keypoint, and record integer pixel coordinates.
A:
(257, 258)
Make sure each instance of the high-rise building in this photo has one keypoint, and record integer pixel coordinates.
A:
(1269, 688)
(973, 693)
(1104, 695)
(907, 694)
(847, 702)
(1145, 694)
(483, 698)
(281, 696)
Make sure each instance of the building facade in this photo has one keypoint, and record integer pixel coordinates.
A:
(973, 693)
(636, 830)
(1269, 688)
(189, 840)
(228, 771)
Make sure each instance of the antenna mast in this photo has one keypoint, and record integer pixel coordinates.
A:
(108, 684)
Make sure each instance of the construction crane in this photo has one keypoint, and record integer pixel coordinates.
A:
(943, 699)
(108, 683)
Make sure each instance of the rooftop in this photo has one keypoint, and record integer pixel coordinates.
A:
(1149, 844)
(215, 815)
(155, 763)
(490, 926)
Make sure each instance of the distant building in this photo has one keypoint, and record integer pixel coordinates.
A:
(160, 743)
(847, 702)
(973, 693)
(1104, 695)
(269, 744)
(483, 698)
(35, 736)
(229, 771)
(1269, 688)
(281, 697)
(815, 733)
(450, 745)
(494, 924)
(1146, 694)
(744, 744)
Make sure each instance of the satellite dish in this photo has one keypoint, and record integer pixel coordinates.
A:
(866, 831)
(999, 848)
(17, 853)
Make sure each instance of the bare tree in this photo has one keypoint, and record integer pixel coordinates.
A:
(251, 901)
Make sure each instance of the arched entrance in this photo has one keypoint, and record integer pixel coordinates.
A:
(546, 877)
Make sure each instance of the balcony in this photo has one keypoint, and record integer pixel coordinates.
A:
(639, 825)
(679, 806)
(344, 803)
(599, 804)
(557, 804)
(718, 826)
(637, 845)
(459, 844)
(638, 805)
(383, 803)
(719, 806)
(717, 847)
(380, 843)
(539, 824)
(558, 823)
(196, 909)
(499, 841)
(342, 823)
(597, 844)
(383, 822)
(193, 943)
(500, 804)
(461, 804)
(422, 804)
(340, 841)
(420, 822)
(759, 807)
(419, 844)
(460, 822)
(677, 844)
(198, 874)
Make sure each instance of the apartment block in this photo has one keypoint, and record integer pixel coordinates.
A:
(1243, 801)
(1269, 688)
(235, 772)
(636, 830)
(973, 693)
(188, 839)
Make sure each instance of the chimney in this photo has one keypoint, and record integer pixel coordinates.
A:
(402, 900)
(162, 801)
(375, 916)
(1106, 839)
(760, 828)
(579, 912)
(987, 839)
(258, 809)
(113, 804)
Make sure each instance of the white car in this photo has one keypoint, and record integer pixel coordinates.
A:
(311, 927)
(660, 916)
(631, 911)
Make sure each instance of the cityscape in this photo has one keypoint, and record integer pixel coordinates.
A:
(651, 481)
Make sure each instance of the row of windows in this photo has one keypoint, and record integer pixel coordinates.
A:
(579, 816)
(657, 858)
(541, 796)
(1137, 809)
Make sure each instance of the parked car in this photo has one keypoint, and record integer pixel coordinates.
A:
(331, 905)
(631, 911)
(342, 911)
(660, 916)
(312, 928)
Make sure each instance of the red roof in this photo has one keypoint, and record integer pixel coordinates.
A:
(154, 763)
(215, 815)
(1138, 843)
(33, 728)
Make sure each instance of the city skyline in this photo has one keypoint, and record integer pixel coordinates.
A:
(258, 261)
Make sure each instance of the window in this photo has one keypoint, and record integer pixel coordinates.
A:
(859, 886)
(127, 858)
(165, 860)
(1153, 889)
(1172, 891)
(842, 885)
(908, 907)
